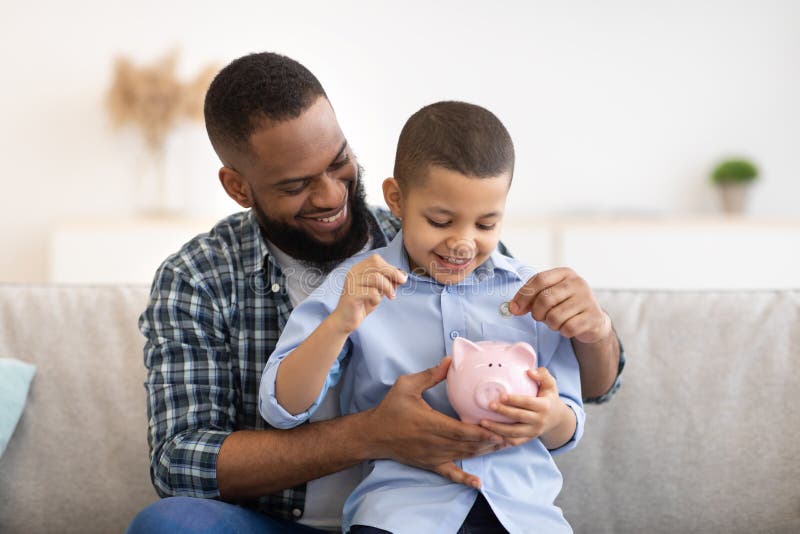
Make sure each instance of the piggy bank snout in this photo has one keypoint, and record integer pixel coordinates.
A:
(489, 391)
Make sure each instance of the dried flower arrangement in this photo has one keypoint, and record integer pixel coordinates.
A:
(152, 97)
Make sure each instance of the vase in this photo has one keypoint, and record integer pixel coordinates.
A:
(734, 197)
(151, 195)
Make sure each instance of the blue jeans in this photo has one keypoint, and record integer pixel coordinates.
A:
(207, 516)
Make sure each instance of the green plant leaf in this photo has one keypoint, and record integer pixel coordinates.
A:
(734, 171)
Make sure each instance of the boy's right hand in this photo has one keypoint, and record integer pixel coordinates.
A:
(366, 284)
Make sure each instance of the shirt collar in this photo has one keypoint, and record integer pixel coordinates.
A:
(505, 264)
(254, 245)
(396, 253)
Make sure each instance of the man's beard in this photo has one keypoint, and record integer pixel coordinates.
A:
(298, 244)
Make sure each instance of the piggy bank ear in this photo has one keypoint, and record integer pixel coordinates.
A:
(523, 354)
(463, 348)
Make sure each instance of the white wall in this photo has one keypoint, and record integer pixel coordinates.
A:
(614, 105)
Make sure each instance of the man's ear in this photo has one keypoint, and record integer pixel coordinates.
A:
(393, 196)
(235, 186)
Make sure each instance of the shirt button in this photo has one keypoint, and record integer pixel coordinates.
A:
(297, 513)
(276, 287)
(454, 334)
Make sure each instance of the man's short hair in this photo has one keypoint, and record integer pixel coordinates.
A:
(458, 136)
(254, 89)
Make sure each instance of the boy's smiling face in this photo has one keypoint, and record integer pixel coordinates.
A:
(451, 222)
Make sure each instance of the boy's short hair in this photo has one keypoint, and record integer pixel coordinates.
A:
(458, 136)
(252, 89)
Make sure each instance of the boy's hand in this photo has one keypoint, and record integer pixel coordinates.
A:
(535, 416)
(366, 284)
(563, 301)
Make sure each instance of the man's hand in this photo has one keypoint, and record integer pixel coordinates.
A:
(409, 431)
(564, 302)
(366, 284)
(544, 416)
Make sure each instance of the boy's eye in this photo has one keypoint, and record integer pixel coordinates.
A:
(487, 227)
(436, 224)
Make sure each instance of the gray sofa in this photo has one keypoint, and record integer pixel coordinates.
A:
(704, 436)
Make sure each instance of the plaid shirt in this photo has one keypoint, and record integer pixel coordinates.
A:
(216, 310)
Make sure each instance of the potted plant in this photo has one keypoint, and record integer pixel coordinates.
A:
(733, 178)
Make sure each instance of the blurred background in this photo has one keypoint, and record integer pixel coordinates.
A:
(620, 112)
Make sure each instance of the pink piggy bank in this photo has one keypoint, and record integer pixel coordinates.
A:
(482, 371)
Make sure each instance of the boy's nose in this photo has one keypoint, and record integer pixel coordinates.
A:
(461, 247)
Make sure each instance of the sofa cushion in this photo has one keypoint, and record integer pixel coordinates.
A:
(78, 461)
(704, 434)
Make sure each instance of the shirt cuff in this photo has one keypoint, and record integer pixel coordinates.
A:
(186, 465)
(605, 397)
(269, 407)
(580, 419)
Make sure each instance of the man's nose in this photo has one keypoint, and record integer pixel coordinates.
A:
(328, 192)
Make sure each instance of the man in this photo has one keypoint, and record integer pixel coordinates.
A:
(218, 305)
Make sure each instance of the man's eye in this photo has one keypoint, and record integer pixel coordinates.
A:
(338, 164)
(437, 224)
(487, 227)
(294, 190)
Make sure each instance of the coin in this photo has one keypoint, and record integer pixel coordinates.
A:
(504, 311)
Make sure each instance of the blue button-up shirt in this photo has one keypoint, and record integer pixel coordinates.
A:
(412, 333)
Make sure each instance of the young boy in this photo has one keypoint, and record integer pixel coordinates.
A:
(443, 278)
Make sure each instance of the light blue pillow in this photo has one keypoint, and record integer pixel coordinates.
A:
(15, 379)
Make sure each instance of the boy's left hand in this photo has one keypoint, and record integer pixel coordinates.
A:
(534, 416)
(564, 302)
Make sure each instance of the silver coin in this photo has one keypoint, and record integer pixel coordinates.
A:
(504, 311)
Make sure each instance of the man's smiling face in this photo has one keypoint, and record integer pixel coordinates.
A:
(302, 180)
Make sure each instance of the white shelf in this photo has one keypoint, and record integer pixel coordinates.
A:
(126, 251)
(667, 252)
(609, 252)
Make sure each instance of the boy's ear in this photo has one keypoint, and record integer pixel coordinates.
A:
(393, 196)
(235, 186)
